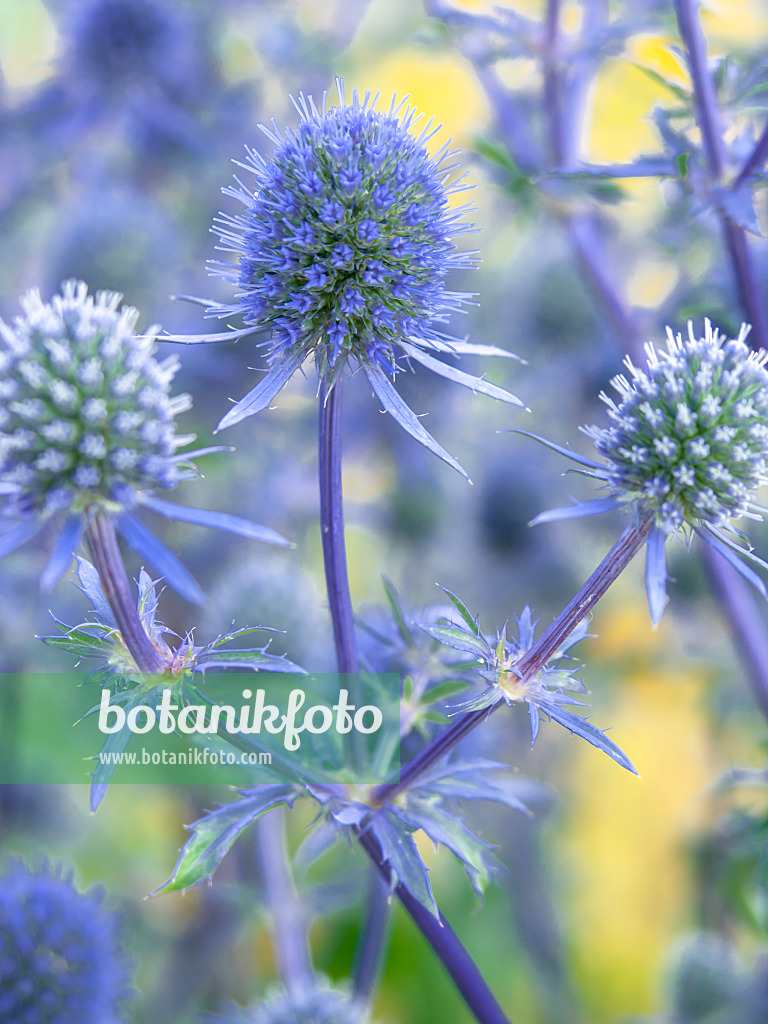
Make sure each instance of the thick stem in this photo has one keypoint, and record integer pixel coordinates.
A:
(289, 920)
(461, 967)
(609, 570)
(102, 541)
(332, 528)
(374, 938)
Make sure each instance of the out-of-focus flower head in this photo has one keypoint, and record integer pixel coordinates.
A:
(87, 426)
(547, 690)
(319, 1003)
(61, 955)
(342, 253)
(688, 445)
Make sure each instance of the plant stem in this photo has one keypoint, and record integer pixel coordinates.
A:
(461, 967)
(374, 937)
(288, 917)
(332, 528)
(609, 570)
(102, 541)
(708, 116)
(445, 943)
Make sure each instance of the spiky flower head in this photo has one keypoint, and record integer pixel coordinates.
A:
(60, 951)
(688, 446)
(87, 425)
(316, 1004)
(86, 410)
(343, 251)
(689, 439)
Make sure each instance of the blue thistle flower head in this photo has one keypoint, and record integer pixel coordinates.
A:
(319, 1003)
(687, 445)
(61, 957)
(113, 40)
(87, 425)
(343, 252)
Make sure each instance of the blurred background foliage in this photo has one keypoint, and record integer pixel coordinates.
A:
(114, 144)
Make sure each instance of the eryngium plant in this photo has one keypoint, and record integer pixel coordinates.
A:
(61, 957)
(688, 445)
(342, 253)
(87, 427)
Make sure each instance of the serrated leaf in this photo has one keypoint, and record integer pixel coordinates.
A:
(460, 640)
(399, 851)
(254, 659)
(213, 835)
(447, 830)
(584, 728)
(90, 585)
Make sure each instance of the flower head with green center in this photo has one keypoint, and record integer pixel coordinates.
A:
(688, 445)
(546, 690)
(61, 957)
(342, 252)
(87, 425)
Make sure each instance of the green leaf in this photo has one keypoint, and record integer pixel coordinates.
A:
(447, 830)
(463, 611)
(117, 742)
(447, 689)
(659, 79)
(397, 610)
(400, 852)
(460, 640)
(213, 835)
(246, 659)
(681, 163)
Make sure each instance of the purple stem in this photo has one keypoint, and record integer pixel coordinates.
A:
(611, 567)
(288, 917)
(446, 945)
(102, 541)
(332, 528)
(755, 161)
(553, 84)
(708, 116)
(374, 938)
(461, 967)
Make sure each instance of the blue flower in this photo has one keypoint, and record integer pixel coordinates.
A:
(342, 253)
(548, 690)
(318, 1004)
(61, 958)
(688, 445)
(87, 426)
